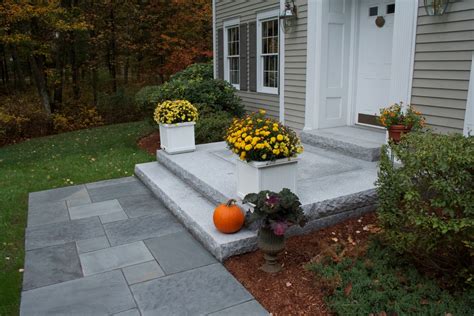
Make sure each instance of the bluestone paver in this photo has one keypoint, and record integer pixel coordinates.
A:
(141, 228)
(115, 257)
(75, 192)
(142, 205)
(56, 234)
(250, 308)
(142, 272)
(47, 213)
(105, 183)
(51, 265)
(130, 312)
(102, 294)
(88, 264)
(113, 217)
(179, 252)
(195, 292)
(95, 209)
(92, 244)
(116, 190)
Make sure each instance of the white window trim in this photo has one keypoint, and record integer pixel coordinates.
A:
(262, 17)
(229, 24)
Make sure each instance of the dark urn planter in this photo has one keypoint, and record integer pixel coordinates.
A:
(396, 131)
(271, 245)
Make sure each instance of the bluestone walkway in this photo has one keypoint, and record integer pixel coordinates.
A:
(112, 248)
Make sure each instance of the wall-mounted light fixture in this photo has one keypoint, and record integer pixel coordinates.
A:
(289, 14)
(436, 7)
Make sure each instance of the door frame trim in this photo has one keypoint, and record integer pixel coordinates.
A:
(403, 53)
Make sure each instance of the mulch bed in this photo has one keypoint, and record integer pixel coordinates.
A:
(150, 143)
(293, 290)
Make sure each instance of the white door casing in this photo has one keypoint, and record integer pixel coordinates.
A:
(319, 86)
(372, 79)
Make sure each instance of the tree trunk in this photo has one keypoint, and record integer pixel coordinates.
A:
(125, 71)
(75, 69)
(59, 82)
(40, 81)
(19, 79)
(5, 63)
(113, 48)
(94, 84)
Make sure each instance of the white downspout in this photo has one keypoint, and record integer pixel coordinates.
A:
(281, 67)
(214, 44)
(469, 115)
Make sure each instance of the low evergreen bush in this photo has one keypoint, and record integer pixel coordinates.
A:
(382, 283)
(212, 127)
(426, 204)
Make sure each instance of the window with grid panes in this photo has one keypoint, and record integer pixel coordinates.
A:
(233, 64)
(269, 53)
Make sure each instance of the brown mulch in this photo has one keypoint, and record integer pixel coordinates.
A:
(150, 143)
(293, 290)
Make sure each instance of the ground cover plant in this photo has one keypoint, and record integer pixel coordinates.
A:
(382, 283)
(49, 162)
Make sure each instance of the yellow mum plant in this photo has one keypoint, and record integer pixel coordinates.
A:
(257, 138)
(177, 111)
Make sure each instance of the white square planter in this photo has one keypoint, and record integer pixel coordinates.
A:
(255, 176)
(177, 138)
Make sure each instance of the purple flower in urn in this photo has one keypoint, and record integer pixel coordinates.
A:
(279, 228)
(272, 200)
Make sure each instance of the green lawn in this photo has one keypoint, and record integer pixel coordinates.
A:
(51, 162)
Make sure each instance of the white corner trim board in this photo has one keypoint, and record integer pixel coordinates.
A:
(469, 115)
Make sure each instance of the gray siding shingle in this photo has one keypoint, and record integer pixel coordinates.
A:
(443, 54)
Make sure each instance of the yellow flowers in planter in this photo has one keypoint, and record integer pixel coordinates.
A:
(177, 111)
(257, 138)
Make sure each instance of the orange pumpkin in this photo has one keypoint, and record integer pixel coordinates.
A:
(228, 218)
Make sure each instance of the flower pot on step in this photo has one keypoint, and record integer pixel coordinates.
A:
(271, 245)
(177, 138)
(255, 176)
(396, 131)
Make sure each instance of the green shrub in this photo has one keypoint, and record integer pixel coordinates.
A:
(119, 107)
(381, 282)
(197, 87)
(212, 127)
(426, 205)
(195, 72)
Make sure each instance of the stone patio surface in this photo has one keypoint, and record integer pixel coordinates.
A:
(112, 248)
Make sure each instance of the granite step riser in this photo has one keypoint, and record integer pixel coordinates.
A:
(206, 190)
(372, 154)
(218, 251)
(314, 211)
(221, 253)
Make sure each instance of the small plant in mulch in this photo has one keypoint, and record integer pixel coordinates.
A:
(381, 283)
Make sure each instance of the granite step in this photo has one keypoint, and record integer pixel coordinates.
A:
(194, 211)
(354, 141)
(331, 187)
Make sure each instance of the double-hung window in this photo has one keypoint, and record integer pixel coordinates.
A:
(267, 50)
(232, 52)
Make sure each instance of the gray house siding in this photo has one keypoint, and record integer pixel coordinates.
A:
(295, 68)
(247, 11)
(443, 54)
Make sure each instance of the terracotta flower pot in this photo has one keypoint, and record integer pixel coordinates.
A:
(271, 245)
(395, 132)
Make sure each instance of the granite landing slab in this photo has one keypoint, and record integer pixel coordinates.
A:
(327, 182)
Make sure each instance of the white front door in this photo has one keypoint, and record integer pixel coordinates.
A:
(374, 61)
